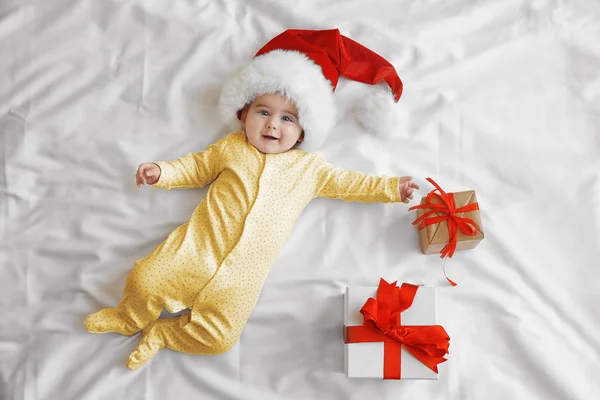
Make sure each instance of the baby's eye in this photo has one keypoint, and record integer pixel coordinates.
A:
(263, 112)
(288, 119)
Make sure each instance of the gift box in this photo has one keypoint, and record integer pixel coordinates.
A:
(420, 343)
(448, 221)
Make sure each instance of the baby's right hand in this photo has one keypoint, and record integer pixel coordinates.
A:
(147, 173)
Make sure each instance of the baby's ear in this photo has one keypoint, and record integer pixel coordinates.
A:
(242, 114)
(301, 138)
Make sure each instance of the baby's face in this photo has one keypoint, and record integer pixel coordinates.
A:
(271, 124)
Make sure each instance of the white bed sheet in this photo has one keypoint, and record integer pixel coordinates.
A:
(500, 96)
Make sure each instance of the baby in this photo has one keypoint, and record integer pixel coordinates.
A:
(214, 265)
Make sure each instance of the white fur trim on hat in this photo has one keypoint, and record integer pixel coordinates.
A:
(293, 75)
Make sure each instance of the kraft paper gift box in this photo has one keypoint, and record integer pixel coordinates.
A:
(366, 360)
(435, 237)
(448, 221)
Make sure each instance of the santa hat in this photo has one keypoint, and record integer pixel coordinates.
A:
(305, 66)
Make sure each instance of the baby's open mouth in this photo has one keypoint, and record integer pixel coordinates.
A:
(269, 137)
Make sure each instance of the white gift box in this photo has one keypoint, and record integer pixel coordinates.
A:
(365, 360)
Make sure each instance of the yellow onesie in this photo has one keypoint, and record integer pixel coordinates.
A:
(217, 262)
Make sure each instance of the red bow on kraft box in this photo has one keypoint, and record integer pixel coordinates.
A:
(382, 323)
(448, 222)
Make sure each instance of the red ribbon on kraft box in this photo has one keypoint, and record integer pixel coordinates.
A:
(446, 210)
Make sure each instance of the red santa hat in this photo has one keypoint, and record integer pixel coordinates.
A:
(305, 66)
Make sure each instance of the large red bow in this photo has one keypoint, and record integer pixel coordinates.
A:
(428, 344)
(448, 213)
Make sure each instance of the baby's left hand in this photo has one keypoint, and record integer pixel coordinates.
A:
(406, 187)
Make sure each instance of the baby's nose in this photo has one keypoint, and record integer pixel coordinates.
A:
(272, 124)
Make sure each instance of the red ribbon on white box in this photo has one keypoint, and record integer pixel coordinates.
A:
(382, 323)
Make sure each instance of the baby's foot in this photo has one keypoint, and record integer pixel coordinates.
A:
(149, 345)
(109, 320)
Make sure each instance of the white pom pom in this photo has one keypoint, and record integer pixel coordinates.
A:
(380, 115)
